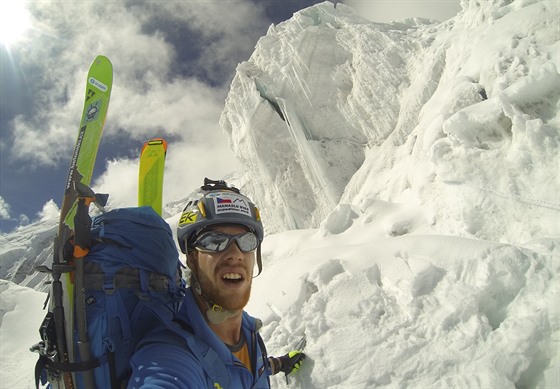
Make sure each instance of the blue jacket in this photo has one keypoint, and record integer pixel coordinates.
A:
(187, 354)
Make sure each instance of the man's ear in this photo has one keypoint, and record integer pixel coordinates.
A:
(192, 258)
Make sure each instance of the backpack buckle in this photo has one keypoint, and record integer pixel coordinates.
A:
(109, 285)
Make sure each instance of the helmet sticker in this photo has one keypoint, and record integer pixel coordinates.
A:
(188, 217)
(231, 203)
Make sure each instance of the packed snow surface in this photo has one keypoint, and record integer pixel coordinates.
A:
(408, 178)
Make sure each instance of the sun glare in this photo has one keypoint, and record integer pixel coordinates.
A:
(14, 20)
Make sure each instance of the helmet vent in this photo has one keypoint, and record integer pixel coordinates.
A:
(201, 208)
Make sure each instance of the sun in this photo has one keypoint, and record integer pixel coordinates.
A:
(14, 21)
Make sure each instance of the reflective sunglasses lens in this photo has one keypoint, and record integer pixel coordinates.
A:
(219, 241)
(213, 242)
(247, 241)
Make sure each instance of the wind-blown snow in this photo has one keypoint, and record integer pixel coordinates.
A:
(408, 178)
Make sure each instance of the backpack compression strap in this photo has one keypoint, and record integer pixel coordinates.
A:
(45, 363)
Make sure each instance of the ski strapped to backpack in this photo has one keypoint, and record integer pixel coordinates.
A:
(122, 268)
(150, 174)
(131, 281)
(58, 328)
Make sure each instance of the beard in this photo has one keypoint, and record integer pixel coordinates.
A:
(228, 301)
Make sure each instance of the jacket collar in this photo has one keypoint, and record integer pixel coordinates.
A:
(190, 314)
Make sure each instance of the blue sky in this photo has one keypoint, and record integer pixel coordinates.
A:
(173, 63)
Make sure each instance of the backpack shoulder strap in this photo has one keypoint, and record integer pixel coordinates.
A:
(208, 358)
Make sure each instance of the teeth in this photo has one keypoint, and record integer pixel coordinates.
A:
(231, 276)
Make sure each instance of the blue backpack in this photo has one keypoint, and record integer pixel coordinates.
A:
(132, 282)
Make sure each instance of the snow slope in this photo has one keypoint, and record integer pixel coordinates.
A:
(21, 313)
(408, 177)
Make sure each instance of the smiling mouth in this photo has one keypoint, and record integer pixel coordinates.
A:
(232, 278)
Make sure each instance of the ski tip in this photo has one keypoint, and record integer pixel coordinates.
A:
(158, 141)
(100, 75)
(155, 142)
(100, 59)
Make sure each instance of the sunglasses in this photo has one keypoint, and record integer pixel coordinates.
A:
(215, 241)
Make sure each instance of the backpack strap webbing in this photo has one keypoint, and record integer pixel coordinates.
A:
(208, 358)
(45, 364)
(126, 277)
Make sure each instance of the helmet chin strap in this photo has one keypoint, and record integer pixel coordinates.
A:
(215, 313)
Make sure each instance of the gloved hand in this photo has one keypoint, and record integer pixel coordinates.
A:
(291, 362)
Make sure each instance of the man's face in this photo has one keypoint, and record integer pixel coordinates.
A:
(225, 277)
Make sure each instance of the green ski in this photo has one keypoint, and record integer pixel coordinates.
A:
(66, 311)
(150, 176)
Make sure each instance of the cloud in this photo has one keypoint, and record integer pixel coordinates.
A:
(386, 11)
(50, 211)
(209, 38)
(185, 108)
(120, 181)
(187, 165)
(23, 220)
(4, 209)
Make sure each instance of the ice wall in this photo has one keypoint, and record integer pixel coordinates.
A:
(332, 108)
(316, 93)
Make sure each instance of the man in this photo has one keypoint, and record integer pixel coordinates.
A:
(212, 342)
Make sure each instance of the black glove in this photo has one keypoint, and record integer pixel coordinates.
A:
(291, 362)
